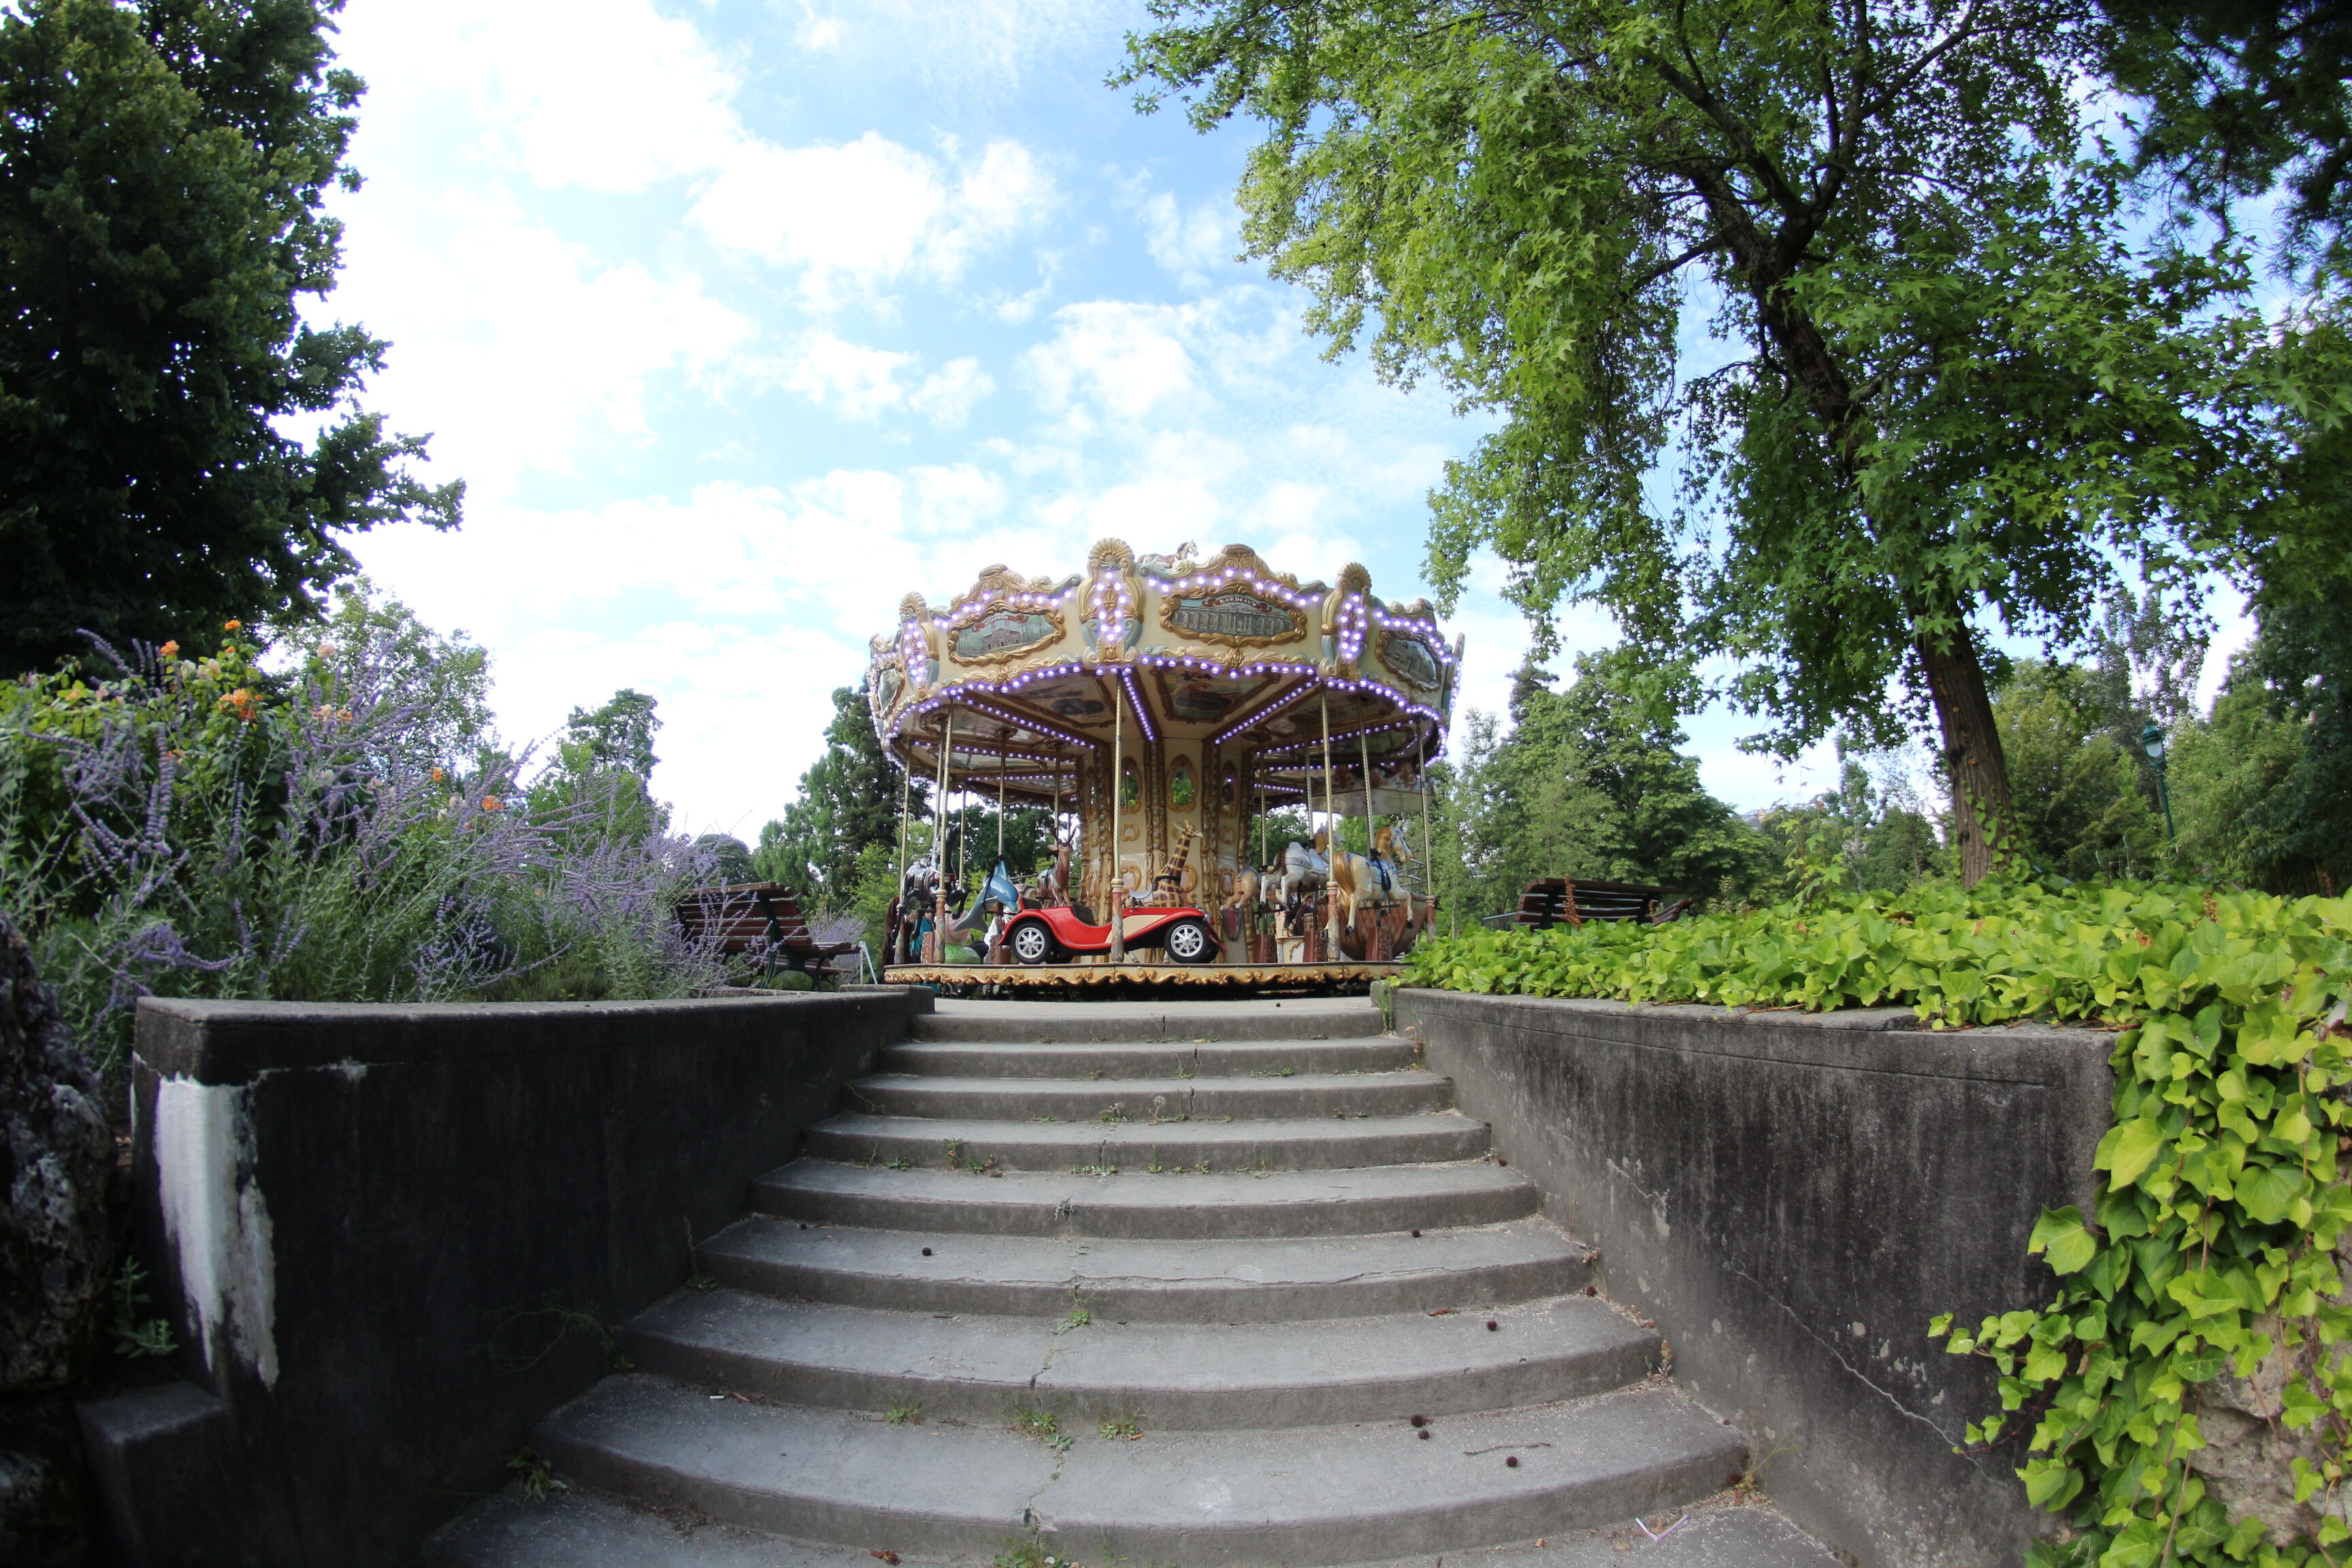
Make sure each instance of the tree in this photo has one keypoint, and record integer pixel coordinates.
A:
(1587, 783)
(2086, 793)
(2240, 94)
(369, 644)
(2263, 788)
(728, 856)
(848, 803)
(600, 783)
(162, 170)
(619, 735)
(1960, 396)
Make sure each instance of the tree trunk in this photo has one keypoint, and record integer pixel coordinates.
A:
(1984, 815)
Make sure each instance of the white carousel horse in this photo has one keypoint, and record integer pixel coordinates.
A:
(1302, 869)
(1381, 879)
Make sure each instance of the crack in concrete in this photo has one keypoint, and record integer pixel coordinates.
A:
(1859, 1375)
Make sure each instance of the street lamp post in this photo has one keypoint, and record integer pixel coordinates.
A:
(2151, 741)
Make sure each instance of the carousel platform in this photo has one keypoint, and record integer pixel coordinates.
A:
(1140, 980)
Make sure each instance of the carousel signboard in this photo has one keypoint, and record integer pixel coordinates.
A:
(1234, 617)
(1003, 633)
(1411, 659)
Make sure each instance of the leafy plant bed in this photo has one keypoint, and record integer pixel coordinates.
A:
(2187, 1396)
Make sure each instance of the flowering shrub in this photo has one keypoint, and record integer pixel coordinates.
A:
(205, 827)
(2201, 1302)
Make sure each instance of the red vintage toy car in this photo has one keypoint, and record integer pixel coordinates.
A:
(1056, 935)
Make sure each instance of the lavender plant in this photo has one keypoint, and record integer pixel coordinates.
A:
(206, 827)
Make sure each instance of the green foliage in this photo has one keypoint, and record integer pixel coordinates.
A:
(2087, 800)
(847, 804)
(163, 171)
(729, 858)
(2211, 1251)
(368, 639)
(617, 737)
(135, 1335)
(1958, 394)
(207, 826)
(2240, 93)
(1588, 783)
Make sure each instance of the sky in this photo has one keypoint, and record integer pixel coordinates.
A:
(743, 319)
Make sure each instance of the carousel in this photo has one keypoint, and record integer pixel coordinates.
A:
(1166, 709)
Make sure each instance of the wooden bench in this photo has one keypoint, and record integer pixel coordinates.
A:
(1548, 901)
(758, 918)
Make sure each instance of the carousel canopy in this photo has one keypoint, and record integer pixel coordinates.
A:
(1221, 674)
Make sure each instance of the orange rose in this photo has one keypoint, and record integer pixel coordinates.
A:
(169, 650)
(489, 803)
(438, 775)
(231, 625)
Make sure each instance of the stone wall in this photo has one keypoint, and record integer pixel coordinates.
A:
(392, 1238)
(1792, 1197)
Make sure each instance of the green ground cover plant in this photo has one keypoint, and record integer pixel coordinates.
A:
(2210, 1253)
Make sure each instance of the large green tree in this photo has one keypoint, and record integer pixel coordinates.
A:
(1956, 399)
(162, 166)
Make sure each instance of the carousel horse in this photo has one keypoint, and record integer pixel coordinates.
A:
(1301, 869)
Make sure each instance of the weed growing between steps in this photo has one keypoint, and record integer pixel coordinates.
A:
(2188, 1397)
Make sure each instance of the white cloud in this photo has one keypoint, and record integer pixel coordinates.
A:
(947, 394)
(860, 215)
(981, 47)
(1120, 356)
(515, 346)
(1188, 243)
(605, 95)
(859, 381)
(864, 383)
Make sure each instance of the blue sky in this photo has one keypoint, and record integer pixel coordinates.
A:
(743, 320)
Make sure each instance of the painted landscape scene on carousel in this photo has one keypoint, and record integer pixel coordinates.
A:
(1165, 709)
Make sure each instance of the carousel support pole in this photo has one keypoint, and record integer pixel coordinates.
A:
(1376, 947)
(1330, 840)
(1428, 853)
(1117, 806)
(897, 945)
(935, 944)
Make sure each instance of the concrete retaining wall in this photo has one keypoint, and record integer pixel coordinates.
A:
(389, 1236)
(1792, 1197)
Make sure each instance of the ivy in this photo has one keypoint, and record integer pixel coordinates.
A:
(2211, 1252)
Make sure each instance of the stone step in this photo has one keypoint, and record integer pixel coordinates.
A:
(1226, 1058)
(1136, 1204)
(1044, 1023)
(1294, 1496)
(1272, 1143)
(1096, 1105)
(577, 1528)
(1087, 1368)
(1217, 1279)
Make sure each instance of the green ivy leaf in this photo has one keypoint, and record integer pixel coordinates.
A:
(2268, 1191)
(2062, 1234)
(2128, 1149)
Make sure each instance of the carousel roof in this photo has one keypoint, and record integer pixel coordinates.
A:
(1031, 673)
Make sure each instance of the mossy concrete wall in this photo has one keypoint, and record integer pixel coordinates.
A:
(1791, 1197)
(388, 1238)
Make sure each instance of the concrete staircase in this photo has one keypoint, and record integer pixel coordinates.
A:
(1176, 1284)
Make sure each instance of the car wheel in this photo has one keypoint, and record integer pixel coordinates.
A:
(1032, 942)
(1188, 941)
